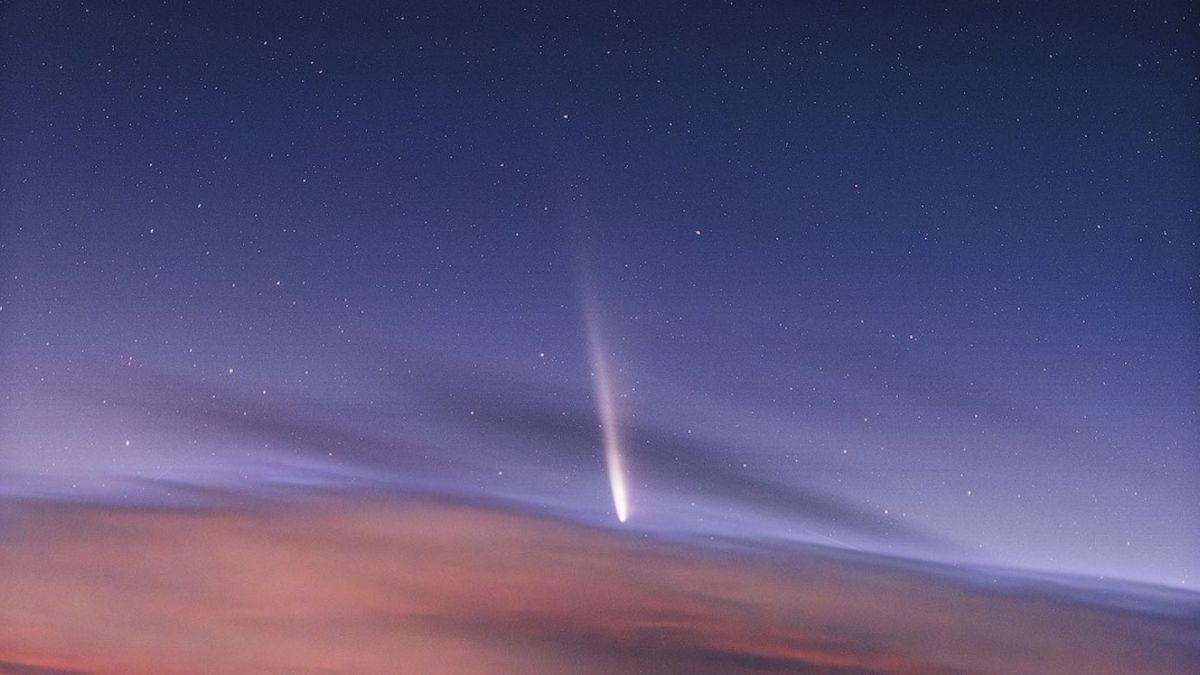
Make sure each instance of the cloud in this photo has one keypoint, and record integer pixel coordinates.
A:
(354, 585)
(667, 458)
(14, 668)
(473, 417)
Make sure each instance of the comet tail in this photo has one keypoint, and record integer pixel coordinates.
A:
(607, 409)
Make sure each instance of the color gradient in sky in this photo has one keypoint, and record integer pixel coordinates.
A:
(911, 283)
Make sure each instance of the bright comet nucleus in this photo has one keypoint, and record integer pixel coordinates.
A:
(607, 409)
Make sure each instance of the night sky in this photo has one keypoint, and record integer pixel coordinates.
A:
(912, 278)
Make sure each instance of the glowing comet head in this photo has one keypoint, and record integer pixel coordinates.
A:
(607, 409)
(616, 479)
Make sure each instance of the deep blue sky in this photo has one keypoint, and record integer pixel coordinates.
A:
(913, 277)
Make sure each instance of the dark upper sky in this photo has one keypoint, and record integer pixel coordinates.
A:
(911, 277)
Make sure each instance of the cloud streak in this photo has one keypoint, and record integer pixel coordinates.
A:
(483, 419)
(364, 586)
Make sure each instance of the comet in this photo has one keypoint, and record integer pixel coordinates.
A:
(606, 408)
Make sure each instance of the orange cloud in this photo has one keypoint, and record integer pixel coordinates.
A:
(343, 585)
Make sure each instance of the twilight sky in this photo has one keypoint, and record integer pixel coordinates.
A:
(915, 279)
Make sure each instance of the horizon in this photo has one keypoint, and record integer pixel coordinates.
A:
(915, 282)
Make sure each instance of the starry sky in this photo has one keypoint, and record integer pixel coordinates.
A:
(916, 278)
